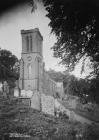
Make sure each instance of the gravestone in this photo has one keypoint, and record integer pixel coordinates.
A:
(16, 92)
(23, 93)
(72, 116)
(6, 89)
(35, 101)
(47, 104)
(1, 90)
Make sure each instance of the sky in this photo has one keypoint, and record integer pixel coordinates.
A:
(16, 19)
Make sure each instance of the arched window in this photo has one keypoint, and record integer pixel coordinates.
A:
(29, 71)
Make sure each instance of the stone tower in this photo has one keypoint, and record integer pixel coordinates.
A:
(31, 65)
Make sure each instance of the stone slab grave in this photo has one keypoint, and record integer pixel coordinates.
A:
(47, 104)
(25, 96)
(35, 101)
(25, 100)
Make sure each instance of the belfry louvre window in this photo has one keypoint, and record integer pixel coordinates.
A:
(31, 43)
(27, 40)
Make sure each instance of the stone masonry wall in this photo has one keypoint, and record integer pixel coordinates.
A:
(47, 104)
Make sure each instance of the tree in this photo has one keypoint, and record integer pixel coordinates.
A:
(76, 26)
(56, 76)
(7, 62)
(76, 87)
(94, 90)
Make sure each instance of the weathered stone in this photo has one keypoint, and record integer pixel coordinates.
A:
(1, 85)
(47, 103)
(32, 73)
(23, 93)
(72, 116)
(16, 92)
(6, 87)
(35, 101)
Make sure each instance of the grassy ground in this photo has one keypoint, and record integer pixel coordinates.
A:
(18, 118)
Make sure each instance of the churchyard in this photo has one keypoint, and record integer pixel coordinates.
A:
(33, 112)
(20, 121)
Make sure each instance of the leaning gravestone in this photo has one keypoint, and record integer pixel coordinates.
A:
(35, 101)
(47, 103)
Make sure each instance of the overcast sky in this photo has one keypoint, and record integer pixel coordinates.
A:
(20, 18)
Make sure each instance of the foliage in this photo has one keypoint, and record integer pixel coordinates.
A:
(93, 90)
(76, 87)
(76, 26)
(56, 76)
(7, 62)
(87, 90)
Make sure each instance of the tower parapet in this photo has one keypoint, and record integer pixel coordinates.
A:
(31, 31)
(32, 41)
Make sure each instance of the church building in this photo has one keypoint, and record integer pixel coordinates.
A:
(32, 72)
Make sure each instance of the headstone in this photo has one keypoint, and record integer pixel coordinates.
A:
(72, 116)
(1, 87)
(6, 87)
(47, 103)
(23, 93)
(35, 101)
(16, 92)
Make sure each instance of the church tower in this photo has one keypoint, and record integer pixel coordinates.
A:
(31, 60)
